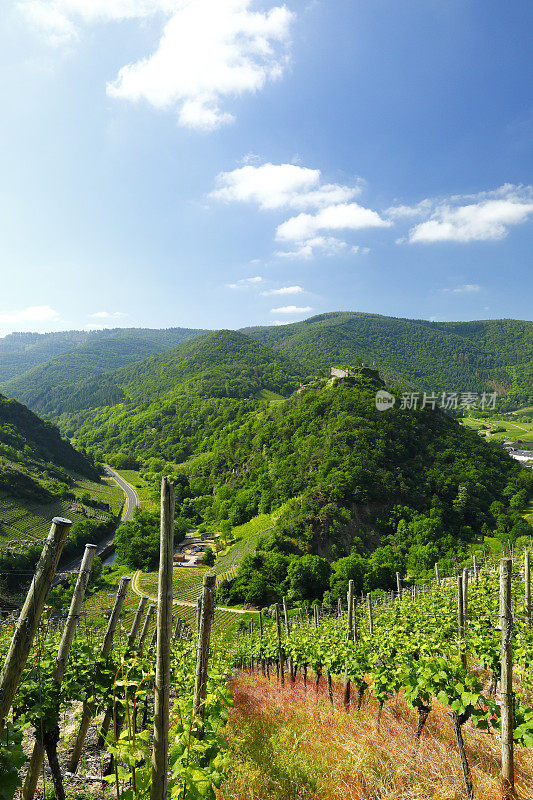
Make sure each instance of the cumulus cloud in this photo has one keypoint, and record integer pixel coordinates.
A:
(344, 216)
(209, 50)
(291, 310)
(325, 207)
(326, 245)
(29, 314)
(284, 290)
(273, 186)
(486, 216)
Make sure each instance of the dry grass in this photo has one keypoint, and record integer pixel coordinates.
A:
(289, 744)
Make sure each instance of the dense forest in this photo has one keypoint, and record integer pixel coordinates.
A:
(42, 383)
(66, 372)
(490, 355)
(23, 435)
(356, 492)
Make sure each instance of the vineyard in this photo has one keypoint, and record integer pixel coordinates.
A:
(128, 694)
(25, 523)
(467, 649)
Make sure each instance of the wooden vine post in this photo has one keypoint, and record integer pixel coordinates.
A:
(370, 614)
(349, 634)
(136, 623)
(32, 776)
(204, 637)
(437, 574)
(465, 595)
(129, 647)
(507, 715)
(280, 650)
(104, 652)
(146, 625)
(159, 784)
(461, 619)
(399, 585)
(527, 586)
(30, 615)
(287, 634)
(177, 629)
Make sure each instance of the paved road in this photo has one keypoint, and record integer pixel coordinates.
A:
(132, 501)
(129, 491)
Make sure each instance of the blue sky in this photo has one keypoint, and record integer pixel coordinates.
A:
(220, 163)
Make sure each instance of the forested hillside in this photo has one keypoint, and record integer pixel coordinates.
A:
(481, 356)
(42, 387)
(491, 355)
(20, 352)
(23, 434)
(367, 491)
(370, 492)
(168, 407)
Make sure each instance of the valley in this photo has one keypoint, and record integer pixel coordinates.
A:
(312, 511)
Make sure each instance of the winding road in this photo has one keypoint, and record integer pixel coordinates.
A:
(132, 501)
(131, 495)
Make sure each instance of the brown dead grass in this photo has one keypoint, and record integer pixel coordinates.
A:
(289, 744)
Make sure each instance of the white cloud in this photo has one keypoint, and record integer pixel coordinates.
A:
(29, 314)
(107, 315)
(327, 245)
(284, 290)
(209, 50)
(483, 217)
(344, 216)
(273, 186)
(245, 283)
(61, 20)
(404, 212)
(291, 310)
(291, 186)
(466, 288)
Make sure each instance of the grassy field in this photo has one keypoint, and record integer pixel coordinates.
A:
(141, 487)
(272, 397)
(511, 430)
(246, 537)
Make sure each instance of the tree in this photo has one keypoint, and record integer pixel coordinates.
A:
(137, 542)
(309, 577)
(208, 557)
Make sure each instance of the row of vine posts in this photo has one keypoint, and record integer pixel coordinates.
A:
(505, 623)
(28, 622)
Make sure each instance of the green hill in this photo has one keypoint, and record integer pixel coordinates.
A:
(41, 385)
(19, 352)
(482, 356)
(24, 434)
(166, 406)
(43, 476)
(370, 492)
(479, 356)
